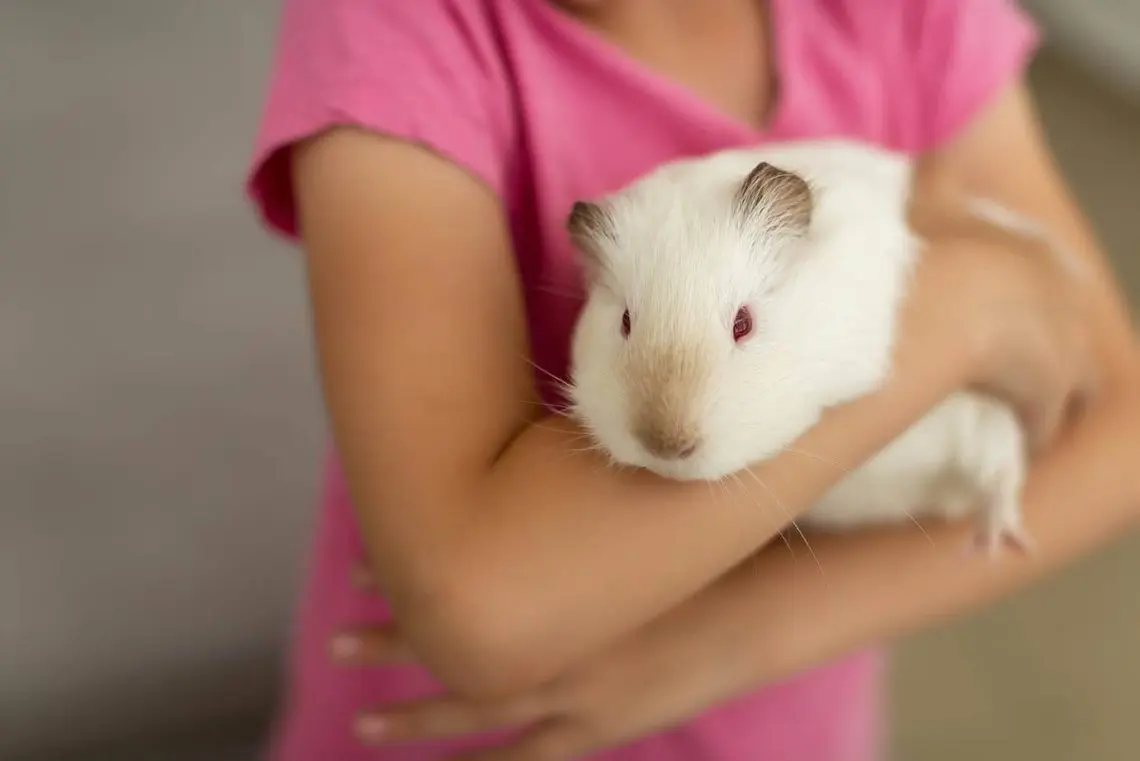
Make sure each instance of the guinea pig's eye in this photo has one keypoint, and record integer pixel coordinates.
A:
(742, 324)
(625, 324)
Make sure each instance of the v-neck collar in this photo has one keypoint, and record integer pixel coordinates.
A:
(780, 36)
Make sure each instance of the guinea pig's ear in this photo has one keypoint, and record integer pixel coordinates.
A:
(589, 226)
(775, 198)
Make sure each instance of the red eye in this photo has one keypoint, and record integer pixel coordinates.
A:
(742, 325)
(625, 324)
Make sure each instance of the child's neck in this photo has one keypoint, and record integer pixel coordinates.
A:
(719, 49)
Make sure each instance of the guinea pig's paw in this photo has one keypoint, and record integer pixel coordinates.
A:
(1000, 526)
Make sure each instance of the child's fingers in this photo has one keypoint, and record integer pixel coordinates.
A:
(370, 646)
(443, 717)
(362, 578)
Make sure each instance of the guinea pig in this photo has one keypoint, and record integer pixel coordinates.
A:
(731, 298)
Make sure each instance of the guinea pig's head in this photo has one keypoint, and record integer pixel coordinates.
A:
(687, 357)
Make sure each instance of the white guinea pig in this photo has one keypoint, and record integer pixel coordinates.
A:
(731, 298)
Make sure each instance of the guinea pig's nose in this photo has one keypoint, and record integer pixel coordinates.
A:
(687, 452)
(668, 443)
(673, 451)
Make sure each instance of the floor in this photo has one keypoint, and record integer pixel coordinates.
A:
(1054, 674)
(160, 417)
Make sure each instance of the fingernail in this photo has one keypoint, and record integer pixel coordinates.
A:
(371, 728)
(361, 578)
(345, 647)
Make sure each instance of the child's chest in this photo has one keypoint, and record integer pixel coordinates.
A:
(721, 51)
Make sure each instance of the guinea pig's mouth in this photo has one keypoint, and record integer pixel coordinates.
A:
(695, 467)
(628, 452)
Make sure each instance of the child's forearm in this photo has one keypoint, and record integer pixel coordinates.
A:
(777, 615)
(782, 615)
(541, 507)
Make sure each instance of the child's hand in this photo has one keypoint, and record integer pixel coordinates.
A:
(1020, 306)
(653, 680)
(630, 692)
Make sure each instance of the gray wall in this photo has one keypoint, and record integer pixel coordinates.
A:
(159, 424)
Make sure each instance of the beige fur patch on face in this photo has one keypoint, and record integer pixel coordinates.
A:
(669, 383)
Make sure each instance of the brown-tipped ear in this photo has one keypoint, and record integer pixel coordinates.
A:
(784, 196)
(589, 224)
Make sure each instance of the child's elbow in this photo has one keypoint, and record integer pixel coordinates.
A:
(480, 645)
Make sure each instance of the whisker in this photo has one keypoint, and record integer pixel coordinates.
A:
(576, 437)
(558, 411)
(849, 471)
(713, 492)
(921, 528)
(817, 458)
(782, 535)
(571, 453)
(560, 383)
(794, 524)
(724, 482)
(726, 486)
(563, 412)
(589, 446)
(810, 549)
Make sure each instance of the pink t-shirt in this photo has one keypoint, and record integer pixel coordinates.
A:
(545, 112)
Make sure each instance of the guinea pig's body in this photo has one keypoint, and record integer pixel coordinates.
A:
(733, 298)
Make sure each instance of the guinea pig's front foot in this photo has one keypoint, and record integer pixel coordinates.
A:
(1001, 527)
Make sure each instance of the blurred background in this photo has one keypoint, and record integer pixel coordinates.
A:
(160, 427)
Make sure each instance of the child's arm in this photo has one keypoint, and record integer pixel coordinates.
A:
(780, 614)
(508, 551)
(1004, 155)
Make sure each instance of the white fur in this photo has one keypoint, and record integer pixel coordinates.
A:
(825, 313)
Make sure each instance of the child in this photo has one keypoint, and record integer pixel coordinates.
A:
(425, 153)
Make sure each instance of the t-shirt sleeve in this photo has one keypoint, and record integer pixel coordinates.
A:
(956, 56)
(422, 70)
